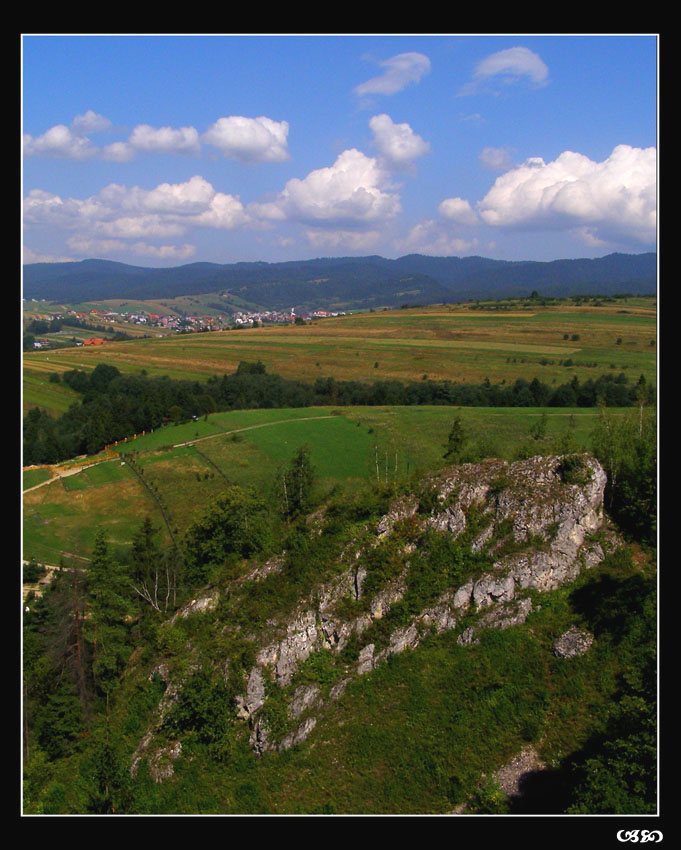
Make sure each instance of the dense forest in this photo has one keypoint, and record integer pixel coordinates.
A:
(115, 406)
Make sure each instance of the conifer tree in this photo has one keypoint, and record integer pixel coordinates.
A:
(455, 441)
(109, 604)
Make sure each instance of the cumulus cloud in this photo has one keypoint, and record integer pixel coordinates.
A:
(399, 71)
(249, 139)
(614, 201)
(508, 66)
(90, 122)
(398, 144)
(354, 191)
(59, 141)
(191, 197)
(164, 252)
(121, 218)
(68, 142)
(136, 227)
(118, 152)
(164, 139)
(458, 211)
(224, 212)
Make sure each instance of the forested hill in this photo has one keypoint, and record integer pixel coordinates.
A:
(346, 282)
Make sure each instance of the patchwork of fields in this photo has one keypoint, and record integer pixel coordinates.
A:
(457, 343)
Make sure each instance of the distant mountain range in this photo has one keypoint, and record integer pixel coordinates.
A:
(344, 282)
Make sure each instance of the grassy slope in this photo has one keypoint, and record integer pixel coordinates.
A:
(246, 447)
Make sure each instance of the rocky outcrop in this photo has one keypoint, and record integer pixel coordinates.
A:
(200, 605)
(573, 643)
(533, 507)
(160, 759)
(533, 522)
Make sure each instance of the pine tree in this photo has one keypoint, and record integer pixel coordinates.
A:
(109, 604)
(455, 441)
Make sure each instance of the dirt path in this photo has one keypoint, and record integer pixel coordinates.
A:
(61, 472)
(250, 428)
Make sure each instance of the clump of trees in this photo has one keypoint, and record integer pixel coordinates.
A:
(236, 526)
(626, 445)
(294, 485)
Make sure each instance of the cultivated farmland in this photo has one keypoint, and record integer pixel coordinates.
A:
(465, 343)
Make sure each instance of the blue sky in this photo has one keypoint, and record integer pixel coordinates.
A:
(165, 150)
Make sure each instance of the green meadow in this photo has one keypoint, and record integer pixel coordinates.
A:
(185, 467)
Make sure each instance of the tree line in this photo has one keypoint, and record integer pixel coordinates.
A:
(115, 406)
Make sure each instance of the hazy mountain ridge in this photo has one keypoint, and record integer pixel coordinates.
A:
(352, 282)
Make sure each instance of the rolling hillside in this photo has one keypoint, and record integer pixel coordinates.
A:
(345, 283)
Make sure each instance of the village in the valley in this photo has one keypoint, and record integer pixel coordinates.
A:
(161, 323)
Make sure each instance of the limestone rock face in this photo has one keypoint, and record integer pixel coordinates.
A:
(255, 694)
(533, 522)
(303, 698)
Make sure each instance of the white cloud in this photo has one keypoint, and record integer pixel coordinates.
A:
(90, 122)
(224, 212)
(164, 139)
(459, 211)
(398, 144)
(496, 159)
(136, 227)
(86, 247)
(509, 66)
(430, 237)
(47, 208)
(164, 252)
(190, 197)
(354, 191)
(59, 141)
(611, 201)
(31, 256)
(118, 152)
(398, 72)
(68, 142)
(108, 222)
(347, 240)
(249, 139)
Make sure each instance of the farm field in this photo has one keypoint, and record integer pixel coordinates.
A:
(465, 343)
(187, 466)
